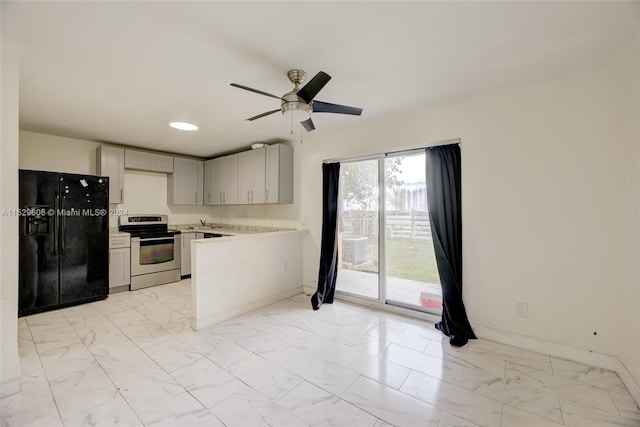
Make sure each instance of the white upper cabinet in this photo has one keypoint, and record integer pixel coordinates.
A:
(185, 184)
(251, 176)
(146, 161)
(279, 174)
(110, 162)
(214, 181)
(221, 180)
(161, 163)
(211, 195)
(230, 180)
(257, 176)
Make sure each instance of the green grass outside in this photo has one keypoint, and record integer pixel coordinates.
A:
(412, 259)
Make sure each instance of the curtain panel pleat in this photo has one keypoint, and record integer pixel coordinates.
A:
(328, 271)
(443, 167)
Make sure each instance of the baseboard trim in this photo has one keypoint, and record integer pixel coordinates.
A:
(564, 352)
(246, 308)
(11, 386)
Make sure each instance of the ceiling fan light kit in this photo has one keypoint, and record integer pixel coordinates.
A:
(298, 104)
(294, 110)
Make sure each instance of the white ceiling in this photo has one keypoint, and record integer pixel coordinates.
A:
(120, 71)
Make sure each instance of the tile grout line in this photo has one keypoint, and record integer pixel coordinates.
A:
(103, 369)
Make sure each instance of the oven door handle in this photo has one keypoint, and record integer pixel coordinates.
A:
(138, 239)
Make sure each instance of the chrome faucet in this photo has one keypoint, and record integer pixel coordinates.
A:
(203, 222)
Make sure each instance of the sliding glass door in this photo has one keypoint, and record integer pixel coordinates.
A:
(412, 278)
(358, 230)
(396, 266)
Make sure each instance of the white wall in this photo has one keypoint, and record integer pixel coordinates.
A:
(9, 364)
(628, 269)
(539, 221)
(57, 154)
(235, 275)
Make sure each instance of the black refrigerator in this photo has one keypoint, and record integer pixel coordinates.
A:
(64, 240)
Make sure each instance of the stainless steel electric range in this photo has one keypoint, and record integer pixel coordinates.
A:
(155, 250)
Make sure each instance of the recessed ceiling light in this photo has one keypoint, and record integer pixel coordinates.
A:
(183, 126)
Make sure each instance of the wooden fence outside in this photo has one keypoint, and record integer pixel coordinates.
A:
(402, 223)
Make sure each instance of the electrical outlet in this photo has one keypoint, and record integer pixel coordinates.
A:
(523, 309)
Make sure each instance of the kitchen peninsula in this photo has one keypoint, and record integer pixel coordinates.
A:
(250, 267)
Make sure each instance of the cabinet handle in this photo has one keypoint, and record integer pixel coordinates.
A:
(196, 197)
(121, 196)
(248, 196)
(266, 194)
(209, 198)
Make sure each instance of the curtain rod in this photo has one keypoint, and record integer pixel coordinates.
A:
(391, 153)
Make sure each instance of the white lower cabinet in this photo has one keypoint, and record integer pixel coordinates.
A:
(185, 253)
(119, 262)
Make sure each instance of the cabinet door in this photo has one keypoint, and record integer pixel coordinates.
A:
(146, 161)
(218, 181)
(111, 164)
(259, 176)
(185, 184)
(160, 163)
(251, 176)
(245, 177)
(279, 174)
(210, 196)
(134, 159)
(119, 267)
(185, 253)
(231, 179)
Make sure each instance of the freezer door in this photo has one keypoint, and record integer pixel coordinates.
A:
(84, 239)
(38, 254)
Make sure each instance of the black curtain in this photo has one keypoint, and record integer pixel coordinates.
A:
(443, 167)
(328, 271)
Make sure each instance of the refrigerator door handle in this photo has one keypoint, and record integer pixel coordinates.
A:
(55, 223)
(64, 223)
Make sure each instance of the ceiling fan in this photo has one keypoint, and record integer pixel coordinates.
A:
(299, 103)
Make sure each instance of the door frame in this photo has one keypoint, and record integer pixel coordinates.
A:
(382, 302)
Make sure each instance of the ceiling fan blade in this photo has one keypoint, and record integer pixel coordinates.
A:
(263, 114)
(308, 125)
(254, 90)
(325, 107)
(315, 85)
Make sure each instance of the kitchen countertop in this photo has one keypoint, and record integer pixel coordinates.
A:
(229, 229)
(114, 232)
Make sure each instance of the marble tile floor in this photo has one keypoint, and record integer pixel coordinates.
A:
(133, 360)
